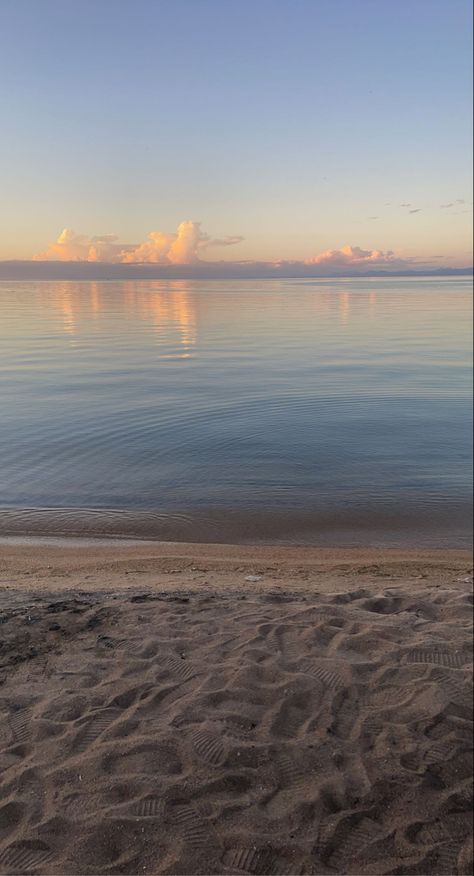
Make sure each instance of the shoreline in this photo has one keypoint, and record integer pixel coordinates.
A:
(406, 526)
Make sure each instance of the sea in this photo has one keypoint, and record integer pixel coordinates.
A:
(329, 411)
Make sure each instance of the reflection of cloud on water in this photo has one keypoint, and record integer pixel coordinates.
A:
(74, 303)
(372, 303)
(67, 310)
(168, 313)
(360, 306)
(95, 299)
(185, 318)
(349, 306)
(63, 299)
(344, 306)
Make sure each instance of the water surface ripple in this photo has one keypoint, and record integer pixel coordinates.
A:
(319, 411)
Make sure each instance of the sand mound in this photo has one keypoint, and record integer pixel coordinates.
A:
(261, 733)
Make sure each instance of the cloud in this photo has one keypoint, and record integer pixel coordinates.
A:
(416, 211)
(71, 247)
(353, 256)
(77, 257)
(452, 203)
(182, 247)
(231, 240)
(405, 205)
(183, 254)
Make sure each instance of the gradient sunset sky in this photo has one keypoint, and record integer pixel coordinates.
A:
(299, 130)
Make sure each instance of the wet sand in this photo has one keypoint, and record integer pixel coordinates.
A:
(178, 708)
(406, 525)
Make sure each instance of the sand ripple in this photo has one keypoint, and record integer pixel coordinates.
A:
(148, 732)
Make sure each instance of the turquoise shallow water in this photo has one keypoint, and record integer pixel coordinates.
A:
(321, 411)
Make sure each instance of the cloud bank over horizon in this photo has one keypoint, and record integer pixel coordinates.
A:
(183, 247)
(353, 256)
(189, 244)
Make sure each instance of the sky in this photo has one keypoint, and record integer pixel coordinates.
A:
(324, 133)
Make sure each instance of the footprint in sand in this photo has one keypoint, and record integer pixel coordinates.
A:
(25, 857)
(208, 746)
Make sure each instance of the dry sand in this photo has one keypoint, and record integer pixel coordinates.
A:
(163, 712)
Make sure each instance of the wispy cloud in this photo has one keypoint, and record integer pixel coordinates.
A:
(456, 203)
(182, 247)
(230, 240)
(405, 205)
(418, 210)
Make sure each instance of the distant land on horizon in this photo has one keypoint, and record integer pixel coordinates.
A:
(82, 270)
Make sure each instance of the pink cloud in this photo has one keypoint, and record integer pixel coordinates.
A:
(352, 256)
(182, 247)
(188, 246)
(71, 247)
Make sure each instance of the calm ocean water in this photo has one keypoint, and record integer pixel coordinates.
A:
(321, 411)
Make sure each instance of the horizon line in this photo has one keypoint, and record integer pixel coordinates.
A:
(28, 269)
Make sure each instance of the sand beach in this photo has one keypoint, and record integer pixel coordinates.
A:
(179, 708)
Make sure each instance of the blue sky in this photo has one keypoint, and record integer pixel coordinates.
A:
(301, 126)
